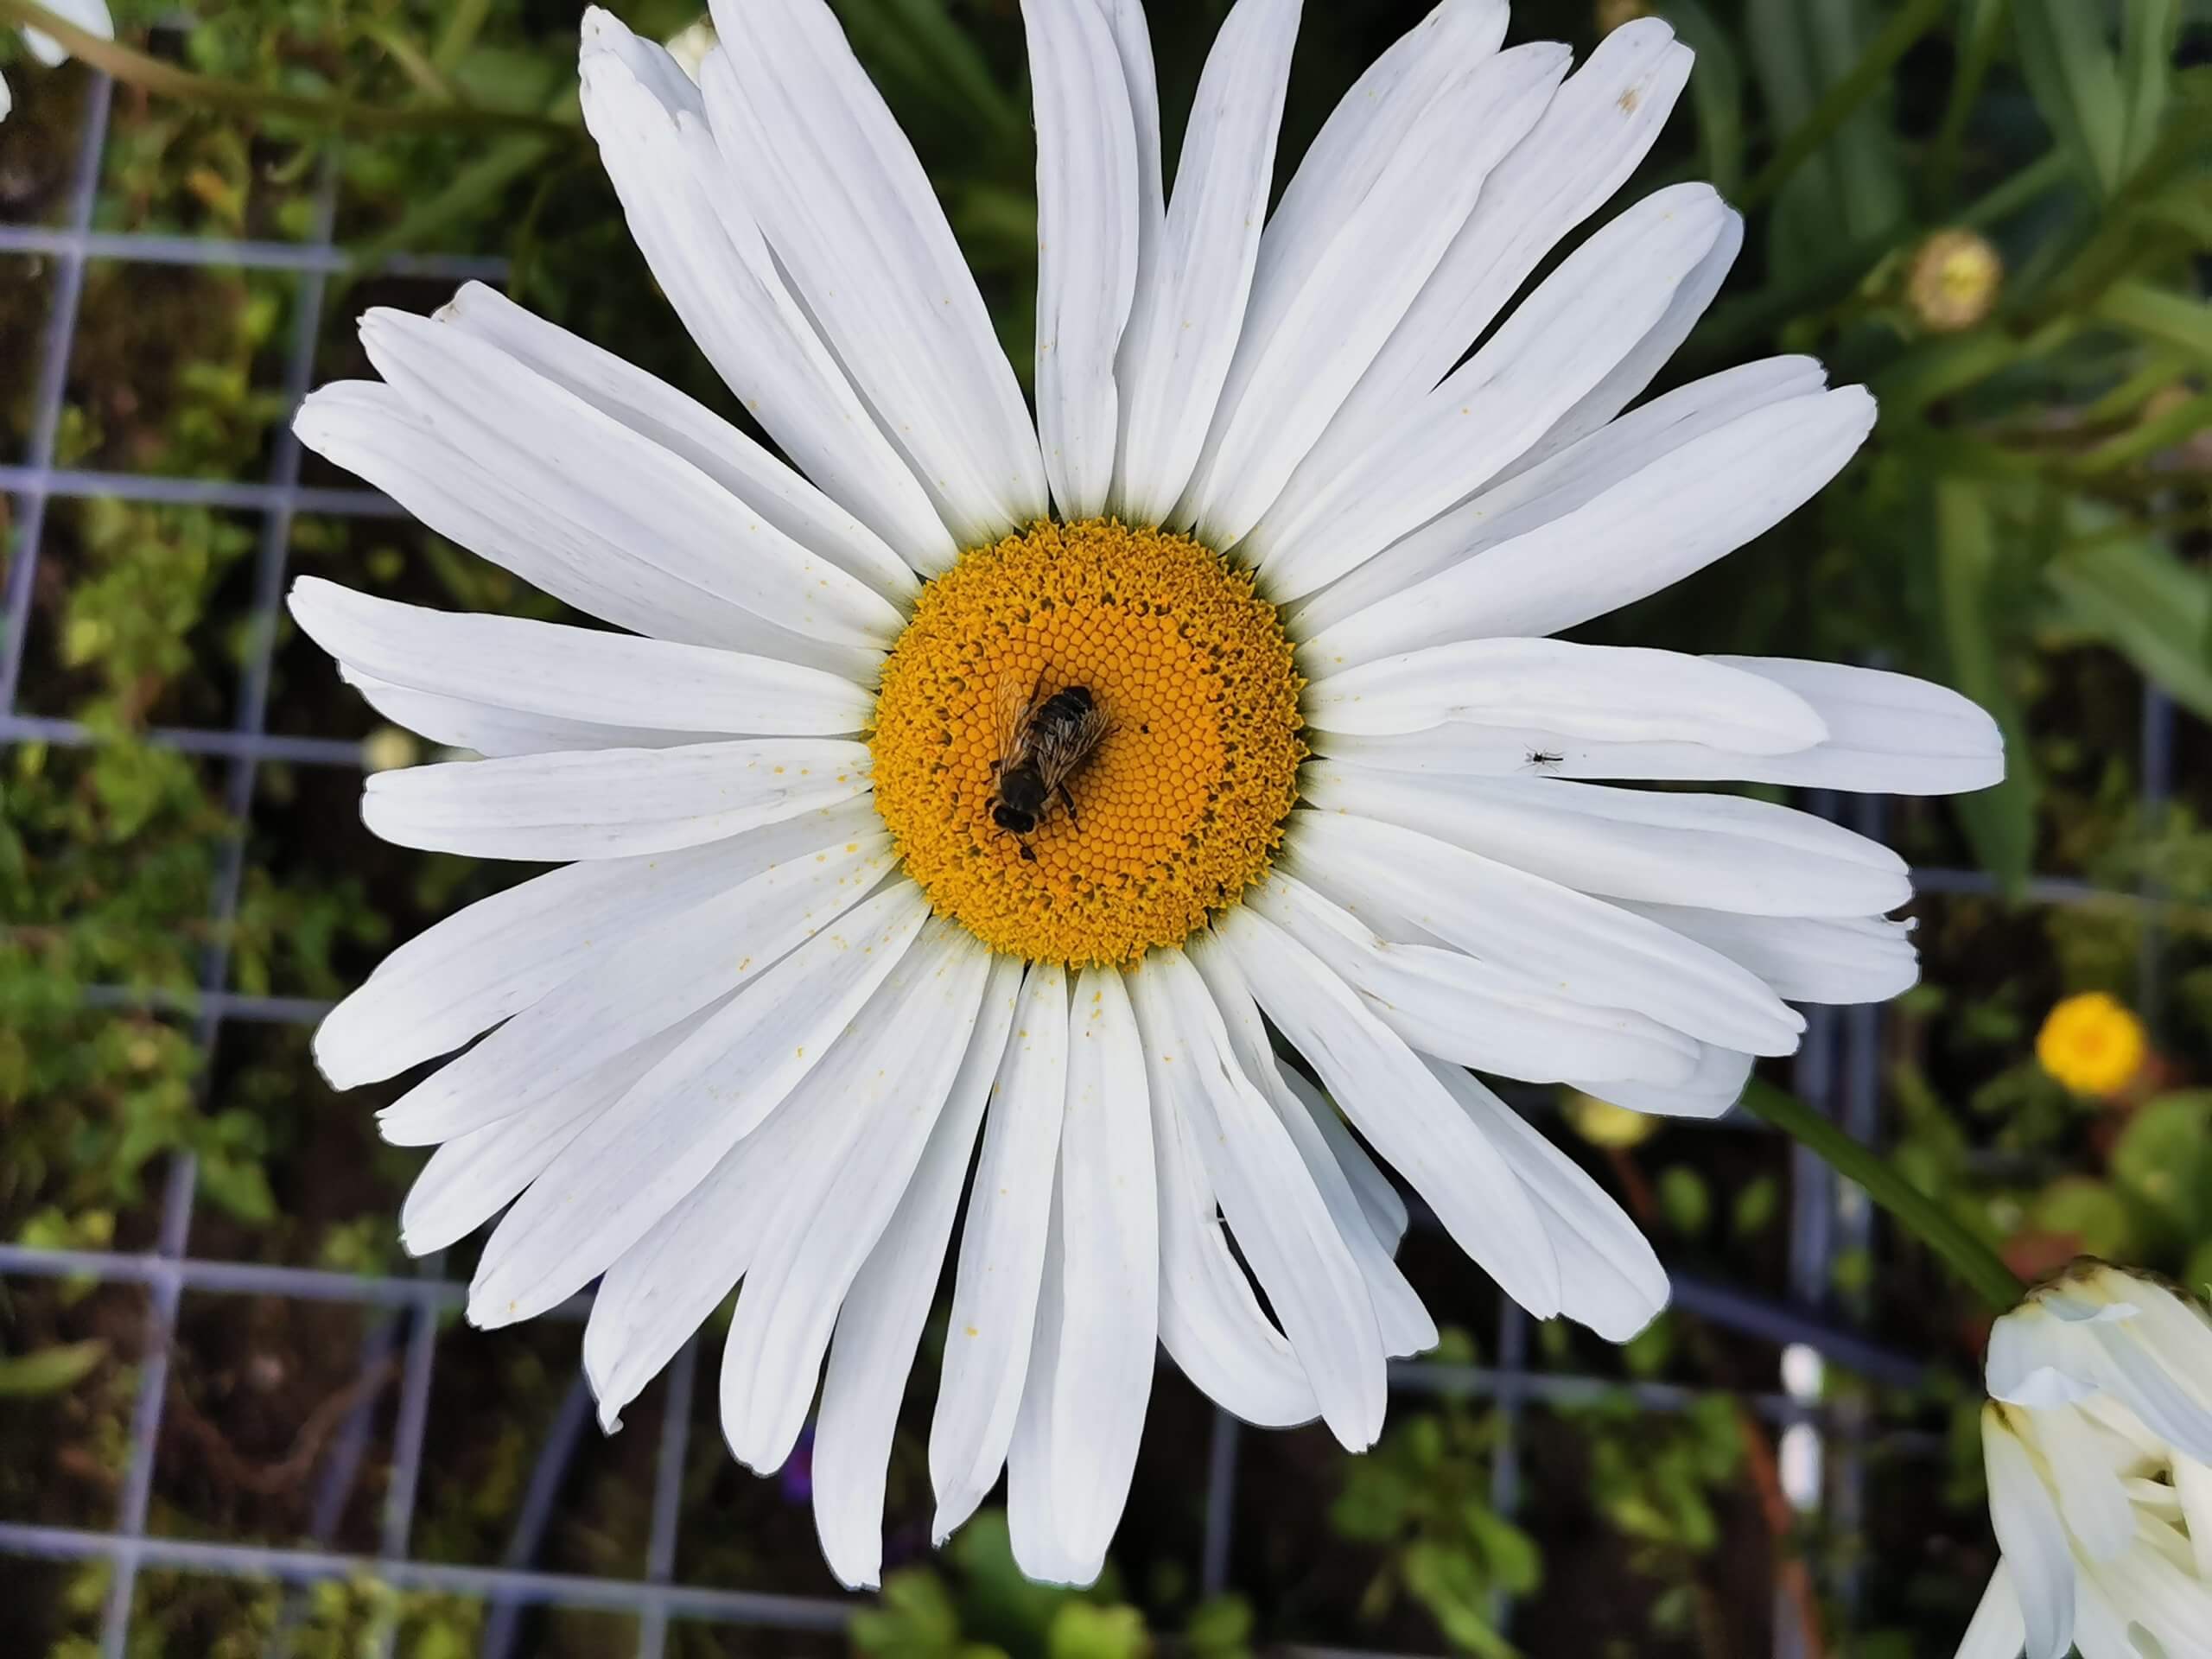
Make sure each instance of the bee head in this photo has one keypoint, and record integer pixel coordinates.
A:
(1013, 818)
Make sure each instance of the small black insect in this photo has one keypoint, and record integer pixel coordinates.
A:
(1042, 745)
(1544, 759)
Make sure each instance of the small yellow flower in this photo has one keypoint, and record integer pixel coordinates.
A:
(1604, 1124)
(1953, 281)
(2091, 1043)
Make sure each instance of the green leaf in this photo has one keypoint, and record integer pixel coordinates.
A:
(2000, 821)
(1082, 1629)
(2149, 30)
(2131, 592)
(2090, 1211)
(2074, 80)
(1685, 1199)
(914, 1618)
(2160, 1156)
(1220, 1628)
(50, 1371)
(2181, 321)
(1716, 92)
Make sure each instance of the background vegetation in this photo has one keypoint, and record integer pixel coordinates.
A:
(1995, 212)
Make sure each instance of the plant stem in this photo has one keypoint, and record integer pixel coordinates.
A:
(151, 74)
(1968, 1257)
(1898, 37)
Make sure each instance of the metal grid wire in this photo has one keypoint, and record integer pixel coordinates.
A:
(1836, 1072)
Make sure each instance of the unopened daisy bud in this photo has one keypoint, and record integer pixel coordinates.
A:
(389, 749)
(1953, 281)
(2092, 1045)
(1612, 14)
(1604, 1124)
(2097, 1440)
(689, 46)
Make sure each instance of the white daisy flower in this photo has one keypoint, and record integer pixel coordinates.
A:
(2098, 1443)
(91, 15)
(915, 821)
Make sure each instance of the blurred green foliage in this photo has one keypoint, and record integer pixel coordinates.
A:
(2029, 523)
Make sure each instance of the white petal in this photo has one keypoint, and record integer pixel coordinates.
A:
(584, 560)
(1600, 693)
(576, 673)
(643, 984)
(1528, 495)
(2086, 1484)
(1002, 1256)
(657, 411)
(1568, 941)
(1886, 732)
(459, 723)
(1298, 1250)
(584, 467)
(7, 99)
(1126, 21)
(657, 1292)
(1474, 1013)
(473, 1176)
(1337, 271)
(2035, 1359)
(502, 954)
(1719, 852)
(1191, 295)
(1379, 1199)
(1211, 1320)
(613, 992)
(1997, 1632)
(881, 1322)
(2193, 1484)
(1400, 1321)
(2030, 1534)
(1635, 371)
(612, 803)
(2137, 1374)
(1591, 137)
(881, 1086)
(1559, 345)
(1716, 1084)
(2176, 1332)
(1839, 959)
(1613, 1282)
(1087, 222)
(656, 1143)
(1033, 1512)
(843, 202)
(1673, 517)
(1404, 1113)
(708, 258)
(1105, 1321)
(91, 15)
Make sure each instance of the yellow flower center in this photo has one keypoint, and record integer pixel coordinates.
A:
(1177, 809)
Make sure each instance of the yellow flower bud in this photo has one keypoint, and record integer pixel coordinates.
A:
(1604, 1124)
(2092, 1045)
(1953, 281)
(387, 749)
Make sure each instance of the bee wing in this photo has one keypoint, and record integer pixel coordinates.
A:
(1014, 702)
(1058, 750)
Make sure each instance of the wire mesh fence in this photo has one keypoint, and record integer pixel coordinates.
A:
(1837, 1071)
